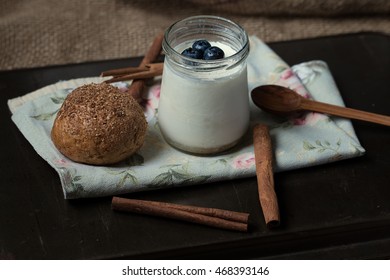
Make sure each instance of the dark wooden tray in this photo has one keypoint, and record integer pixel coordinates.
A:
(334, 211)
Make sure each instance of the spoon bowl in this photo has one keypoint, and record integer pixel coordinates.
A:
(286, 102)
(277, 100)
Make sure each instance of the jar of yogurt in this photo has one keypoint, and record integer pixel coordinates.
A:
(204, 104)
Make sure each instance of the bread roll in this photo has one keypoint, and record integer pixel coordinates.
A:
(98, 124)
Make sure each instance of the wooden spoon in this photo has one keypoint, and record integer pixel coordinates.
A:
(284, 101)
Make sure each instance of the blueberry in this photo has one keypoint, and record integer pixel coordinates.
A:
(213, 53)
(192, 53)
(201, 45)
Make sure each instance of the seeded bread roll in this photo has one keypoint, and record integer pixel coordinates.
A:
(97, 124)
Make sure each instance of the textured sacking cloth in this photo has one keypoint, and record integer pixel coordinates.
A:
(45, 32)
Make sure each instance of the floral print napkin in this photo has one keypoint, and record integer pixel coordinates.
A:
(310, 140)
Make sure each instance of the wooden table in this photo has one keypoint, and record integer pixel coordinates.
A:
(334, 211)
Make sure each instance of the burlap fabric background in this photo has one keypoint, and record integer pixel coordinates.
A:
(49, 32)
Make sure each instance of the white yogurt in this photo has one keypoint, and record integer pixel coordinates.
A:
(205, 112)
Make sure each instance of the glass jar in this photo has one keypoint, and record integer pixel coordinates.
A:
(204, 104)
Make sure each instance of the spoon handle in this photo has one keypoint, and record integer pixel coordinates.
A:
(344, 112)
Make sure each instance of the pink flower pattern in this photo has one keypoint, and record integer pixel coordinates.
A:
(308, 119)
(288, 79)
(151, 101)
(61, 162)
(244, 161)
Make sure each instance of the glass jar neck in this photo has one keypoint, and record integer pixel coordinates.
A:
(210, 28)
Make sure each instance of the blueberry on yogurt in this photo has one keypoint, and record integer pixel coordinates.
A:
(201, 45)
(192, 53)
(213, 53)
(202, 49)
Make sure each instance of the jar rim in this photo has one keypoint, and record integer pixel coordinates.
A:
(207, 65)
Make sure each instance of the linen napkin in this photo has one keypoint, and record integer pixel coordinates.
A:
(310, 140)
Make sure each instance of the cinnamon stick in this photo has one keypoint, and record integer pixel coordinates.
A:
(149, 71)
(139, 75)
(212, 217)
(264, 172)
(212, 212)
(151, 55)
(123, 71)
